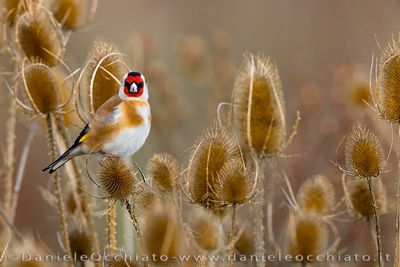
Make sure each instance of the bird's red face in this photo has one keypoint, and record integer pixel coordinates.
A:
(134, 84)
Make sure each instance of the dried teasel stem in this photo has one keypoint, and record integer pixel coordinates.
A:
(84, 202)
(258, 214)
(8, 167)
(56, 185)
(111, 224)
(397, 252)
(232, 237)
(377, 222)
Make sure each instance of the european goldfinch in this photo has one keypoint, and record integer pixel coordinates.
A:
(118, 128)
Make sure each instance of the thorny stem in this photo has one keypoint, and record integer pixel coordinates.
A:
(8, 167)
(397, 253)
(232, 237)
(258, 217)
(85, 204)
(56, 186)
(377, 222)
(136, 226)
(111, 224)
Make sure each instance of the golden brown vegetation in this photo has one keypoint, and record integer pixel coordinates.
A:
(218, 199)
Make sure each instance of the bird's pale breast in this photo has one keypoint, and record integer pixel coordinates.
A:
(121, 129)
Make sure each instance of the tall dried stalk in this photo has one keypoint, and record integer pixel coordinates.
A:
(397, 253)
(56, 185)
(232, 237)
(111, 225)
(377, 222)
(84, 202)
(9, 158)
(258, 213)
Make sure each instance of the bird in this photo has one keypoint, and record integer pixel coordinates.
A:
(119, 127)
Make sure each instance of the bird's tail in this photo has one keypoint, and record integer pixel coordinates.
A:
(64, 158)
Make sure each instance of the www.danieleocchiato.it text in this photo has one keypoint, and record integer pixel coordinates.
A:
(280, 257)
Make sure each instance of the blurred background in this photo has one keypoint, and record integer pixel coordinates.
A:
(192, 50)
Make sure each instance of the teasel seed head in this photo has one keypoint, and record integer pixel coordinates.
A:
(309, 236)
(72, 14)
(12, 9)
(163, 169)
(245, 243)
(39, 88)
(359, 198)
(145, 198)
(363, 153)
(234, 183)
(116, 179)
(258, 112)
(317, 195)
(388, 82)
(104, 69)
(212, 151)
(162, 233)
(360, 94)
(206, 230)
(39, 37)
(81, 243)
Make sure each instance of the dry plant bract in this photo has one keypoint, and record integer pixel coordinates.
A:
(317, 195)
(163, 170)
(116, 179)
(363, 153)
(258, 112)
(212, 151)
(103, 71)
(39, 37)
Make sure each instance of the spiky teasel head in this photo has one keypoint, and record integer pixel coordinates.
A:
(12, 9)
(39, 88)
(206, 229)
(145, 198)
(39, 37)
(104, 69)
(317, 195)
(388, 83)
(72, 14)
(81, 244)
(162, 233)
(163, 170)
(258, 112)
(116, 179)
(308, 236)
(359, 198)
(234, 183)
(363, 153)
(212, 151)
